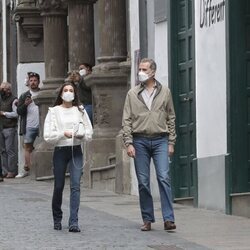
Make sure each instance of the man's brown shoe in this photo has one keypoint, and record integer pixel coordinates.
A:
(146, 226)
(169, 225)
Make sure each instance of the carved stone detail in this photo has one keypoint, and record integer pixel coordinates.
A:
(102, 104)
(30, 20)
(52, 5)
(27, 3)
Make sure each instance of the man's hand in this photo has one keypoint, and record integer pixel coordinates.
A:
(28, 100)
(131, 151)
(1, 113)
(170, 149)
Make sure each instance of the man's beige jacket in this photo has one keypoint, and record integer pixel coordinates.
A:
(138, 119)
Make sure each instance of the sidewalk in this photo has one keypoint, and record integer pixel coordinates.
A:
(108, 221)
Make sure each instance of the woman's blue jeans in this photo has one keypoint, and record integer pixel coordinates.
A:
(157, 149)
(63, 157)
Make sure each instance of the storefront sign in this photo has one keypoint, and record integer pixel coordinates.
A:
(211, 13)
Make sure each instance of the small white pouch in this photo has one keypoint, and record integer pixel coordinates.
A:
(79, 130)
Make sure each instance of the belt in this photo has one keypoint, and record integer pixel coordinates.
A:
(149, 135)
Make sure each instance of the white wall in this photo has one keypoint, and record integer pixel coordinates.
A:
(210, 53)
(210, 44)
(22, 70)
(161, 52)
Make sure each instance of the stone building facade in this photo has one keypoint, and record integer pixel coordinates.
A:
(54, 37)
(202, 51)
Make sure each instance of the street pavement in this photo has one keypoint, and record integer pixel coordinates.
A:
(108, 221)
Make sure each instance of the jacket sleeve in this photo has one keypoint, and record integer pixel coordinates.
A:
(83, 85)
(51, 132)
(21, 107)
(127, 122)
(13, 113)
(171, 120)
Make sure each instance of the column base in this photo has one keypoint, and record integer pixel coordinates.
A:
(42, 165)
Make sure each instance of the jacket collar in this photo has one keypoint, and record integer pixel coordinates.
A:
(141, 87)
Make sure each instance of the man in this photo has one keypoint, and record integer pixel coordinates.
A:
(148, 128)
(85, 94)
(29, 120)
(8, 117)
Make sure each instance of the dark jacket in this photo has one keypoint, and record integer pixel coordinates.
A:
(22, 111)
(84, 92)
(6, 106)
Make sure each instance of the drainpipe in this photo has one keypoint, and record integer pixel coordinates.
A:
(4, 40)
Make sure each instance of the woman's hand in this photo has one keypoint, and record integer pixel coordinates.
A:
(68, 134)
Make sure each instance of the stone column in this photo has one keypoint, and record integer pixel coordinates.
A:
(112, 27)
(109, 83)
(81, 32)
(81, 44)
(54, 15)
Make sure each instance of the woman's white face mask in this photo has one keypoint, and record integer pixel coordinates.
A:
(68, 96)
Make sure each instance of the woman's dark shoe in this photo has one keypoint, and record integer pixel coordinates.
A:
(146, 226)
(58, 226)
(74, 229)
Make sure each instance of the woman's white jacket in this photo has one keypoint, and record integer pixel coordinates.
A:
(54, 127)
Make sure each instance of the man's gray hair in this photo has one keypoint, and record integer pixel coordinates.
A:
(152, 63)
(6, 85)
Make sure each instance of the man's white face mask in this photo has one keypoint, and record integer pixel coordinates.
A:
(82, 72)
(143, 77)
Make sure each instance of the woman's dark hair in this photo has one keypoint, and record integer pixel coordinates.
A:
(87, 65)
(75, 102)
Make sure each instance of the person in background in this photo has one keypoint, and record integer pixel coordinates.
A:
(148, 128)
(8, 133)
(85, 94)
(65, 126)
(29, 120)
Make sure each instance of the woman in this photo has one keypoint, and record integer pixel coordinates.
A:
(65, 126)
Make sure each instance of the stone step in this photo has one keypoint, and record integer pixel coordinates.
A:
(103, 178)
(112, 159)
